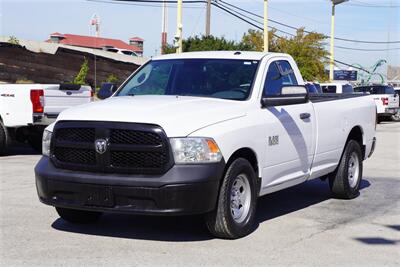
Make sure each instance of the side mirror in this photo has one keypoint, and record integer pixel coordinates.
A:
(289, 95)
(106, 90)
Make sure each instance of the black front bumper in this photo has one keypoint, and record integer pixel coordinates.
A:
(184, 189)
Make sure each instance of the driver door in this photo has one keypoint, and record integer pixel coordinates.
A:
(289, 128)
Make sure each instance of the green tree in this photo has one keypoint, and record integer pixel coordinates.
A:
(112, 78)
(207, 43)
(306, 48)
(81, 77)
(13, 40)
(308, 51)
(254, 40)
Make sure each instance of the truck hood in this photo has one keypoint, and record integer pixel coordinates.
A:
(177, 115)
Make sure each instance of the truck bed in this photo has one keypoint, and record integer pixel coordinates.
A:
(322, 97)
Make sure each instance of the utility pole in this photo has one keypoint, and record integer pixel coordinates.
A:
(179, 28)
(332, 50)
(265, 25)
(164, 27)
(208, 18)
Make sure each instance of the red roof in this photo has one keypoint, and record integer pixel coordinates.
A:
(136, 39)
(94, 42)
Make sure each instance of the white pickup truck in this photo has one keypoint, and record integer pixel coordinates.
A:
(386, 100)
(203, 133)
(26, 109)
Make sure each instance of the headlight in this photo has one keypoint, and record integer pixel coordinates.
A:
(195, 150)
(46, 143)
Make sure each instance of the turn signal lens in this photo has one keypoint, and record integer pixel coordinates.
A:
(212, 146)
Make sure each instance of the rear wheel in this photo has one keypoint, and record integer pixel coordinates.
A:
(345, 180)
(78, 216)
(235, 212)
(3, 139)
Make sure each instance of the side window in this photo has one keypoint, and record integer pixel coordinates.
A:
(288, 77)
(279, 74)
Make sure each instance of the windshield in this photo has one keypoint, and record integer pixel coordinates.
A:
(219, 78)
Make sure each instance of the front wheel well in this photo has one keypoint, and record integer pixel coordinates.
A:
(248, 154)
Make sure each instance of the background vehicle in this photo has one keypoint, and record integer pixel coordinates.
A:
(318, 87)
(312, 89)
(337, 88)
(107, 90)
(386, 100)
(186, 134)
(396, 117)
(26, 109)
(122, 51)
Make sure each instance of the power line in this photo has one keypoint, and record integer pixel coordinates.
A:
(295, 28)
(231, 13)
(249, 18)
(363, 4)
(366, 50)
(336, 61)
(293, 35)
(157, 4)
(226, 8)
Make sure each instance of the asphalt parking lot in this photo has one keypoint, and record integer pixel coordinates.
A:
(300, 226)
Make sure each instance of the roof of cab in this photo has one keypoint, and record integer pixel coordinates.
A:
(244, 55)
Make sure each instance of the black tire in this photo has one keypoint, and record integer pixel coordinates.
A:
(343, 185)
(35, 141)
(3, 139)
(78, 216)
(221, 222)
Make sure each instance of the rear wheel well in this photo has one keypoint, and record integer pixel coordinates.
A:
(247, 154)
(356, 134)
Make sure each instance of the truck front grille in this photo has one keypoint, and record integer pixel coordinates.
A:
(130, 147)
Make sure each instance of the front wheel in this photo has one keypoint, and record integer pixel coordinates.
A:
(235, 212)
(78, 216)
(345, 180)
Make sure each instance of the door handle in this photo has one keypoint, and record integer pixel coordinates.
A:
(304, 116)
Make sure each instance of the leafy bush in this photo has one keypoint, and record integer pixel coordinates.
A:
(13, 40)
(24, 80)
(112, 78)
(81, 77)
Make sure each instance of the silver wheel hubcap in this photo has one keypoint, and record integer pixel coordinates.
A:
(240, 198)
(354, 170)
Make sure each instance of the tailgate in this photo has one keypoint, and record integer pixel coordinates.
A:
(393, 101)
(62, 96)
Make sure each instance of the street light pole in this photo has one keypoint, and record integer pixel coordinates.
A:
(265, 25)
(332, 56)
(208, 18)
(332, 50)
(179, 28)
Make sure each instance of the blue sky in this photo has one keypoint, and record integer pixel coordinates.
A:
(36, 19)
